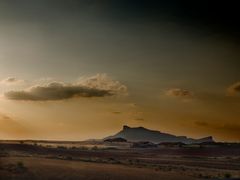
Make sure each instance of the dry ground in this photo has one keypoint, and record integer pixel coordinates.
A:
(26, 161)
(40, 168)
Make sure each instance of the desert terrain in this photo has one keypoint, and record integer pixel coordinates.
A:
(117, 160)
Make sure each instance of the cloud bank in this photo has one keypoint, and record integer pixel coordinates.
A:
(96, 86)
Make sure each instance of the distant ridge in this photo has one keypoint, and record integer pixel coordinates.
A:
(136, 134)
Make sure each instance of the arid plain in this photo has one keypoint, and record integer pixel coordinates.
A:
(117, 160)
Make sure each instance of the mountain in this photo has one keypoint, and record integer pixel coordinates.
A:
(142, 134)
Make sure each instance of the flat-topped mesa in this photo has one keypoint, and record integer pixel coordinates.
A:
(136, 134)
(125, 127)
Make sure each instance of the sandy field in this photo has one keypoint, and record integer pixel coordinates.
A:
(20, 160)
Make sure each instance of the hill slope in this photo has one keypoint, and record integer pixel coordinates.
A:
(143, 134)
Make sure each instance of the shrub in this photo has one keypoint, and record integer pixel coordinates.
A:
(94, 148)
(20, 164)
(227, 175)
(69, 158)
(19, 168)
(61, 147)
(83, 148)
(73, 147)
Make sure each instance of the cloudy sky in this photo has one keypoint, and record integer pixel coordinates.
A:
(77, 70)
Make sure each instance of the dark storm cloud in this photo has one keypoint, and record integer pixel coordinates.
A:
(56, 91)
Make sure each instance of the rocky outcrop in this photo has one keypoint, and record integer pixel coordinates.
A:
(137, 134)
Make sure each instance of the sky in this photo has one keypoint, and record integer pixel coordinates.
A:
(75, 70)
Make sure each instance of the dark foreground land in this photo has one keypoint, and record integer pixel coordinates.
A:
(95, 160)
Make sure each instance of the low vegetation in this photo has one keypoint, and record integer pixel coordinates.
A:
(19, 167)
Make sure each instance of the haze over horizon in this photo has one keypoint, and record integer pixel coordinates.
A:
(76, 70)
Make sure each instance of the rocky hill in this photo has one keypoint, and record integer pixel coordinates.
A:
(136, 134)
